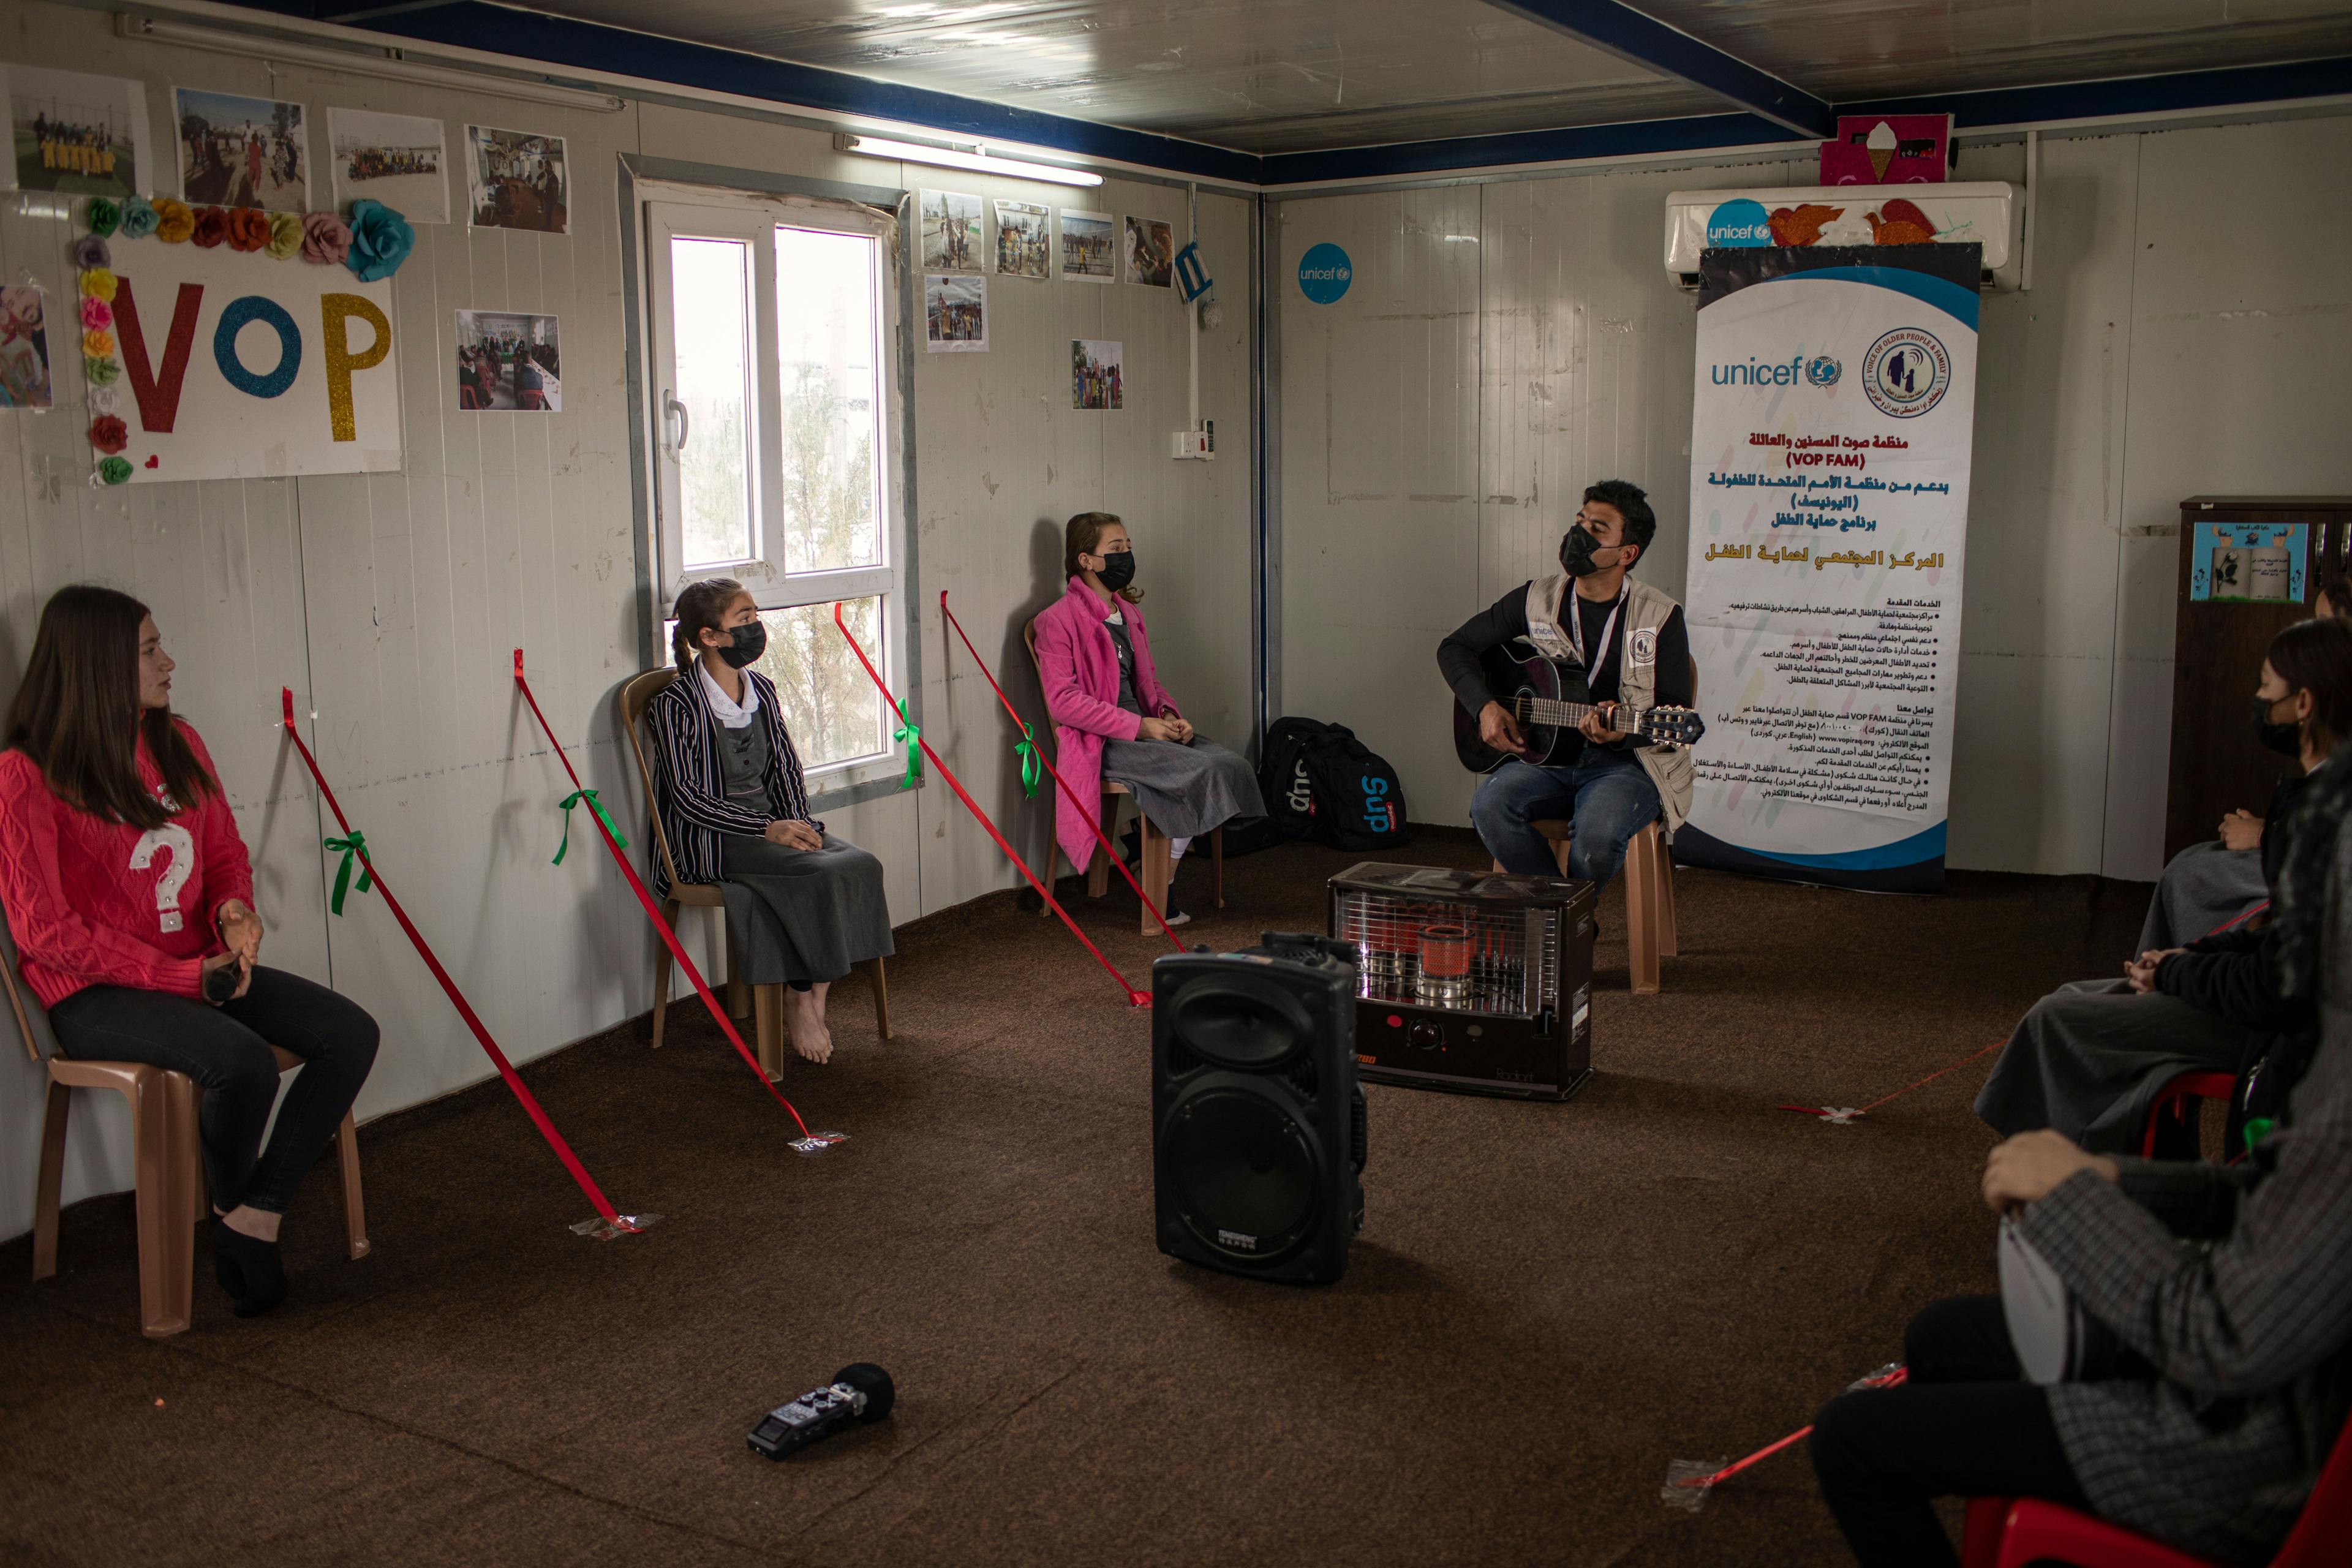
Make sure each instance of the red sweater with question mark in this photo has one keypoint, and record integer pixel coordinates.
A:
(94, 902)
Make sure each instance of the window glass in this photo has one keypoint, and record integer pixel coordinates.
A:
(711, 324)
(830, 397)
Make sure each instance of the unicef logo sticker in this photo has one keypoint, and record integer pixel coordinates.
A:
(1906, 373)
(1823, 370)
(1738, 223)
(1324, 273)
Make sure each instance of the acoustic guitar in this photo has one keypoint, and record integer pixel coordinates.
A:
(1550, 698)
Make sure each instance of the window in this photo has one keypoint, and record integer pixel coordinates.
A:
(776, 453)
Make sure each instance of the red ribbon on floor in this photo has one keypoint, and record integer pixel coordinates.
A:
(1892, 1380)
(531, 1106)
(1090, 814)
(1134, 998)
(1824, 1110)
(669, 937)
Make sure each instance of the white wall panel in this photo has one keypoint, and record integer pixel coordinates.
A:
(391, 603)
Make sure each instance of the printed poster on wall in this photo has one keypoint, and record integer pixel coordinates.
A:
(1830, 454)
(238, 367)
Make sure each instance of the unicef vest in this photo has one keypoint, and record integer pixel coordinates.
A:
(1647, 610)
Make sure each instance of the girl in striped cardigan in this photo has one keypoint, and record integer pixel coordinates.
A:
(802, 904)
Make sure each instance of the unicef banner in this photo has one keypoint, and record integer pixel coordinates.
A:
(1828, 510)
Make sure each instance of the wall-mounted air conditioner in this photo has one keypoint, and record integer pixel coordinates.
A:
(1990, 213)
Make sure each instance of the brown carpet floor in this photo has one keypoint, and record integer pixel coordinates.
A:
(1548, 1304)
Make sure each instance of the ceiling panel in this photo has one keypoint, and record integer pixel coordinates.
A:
(1263, 76)
(1276, 76)
(1857, 50)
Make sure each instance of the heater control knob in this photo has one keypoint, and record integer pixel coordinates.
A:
(1426, 1034)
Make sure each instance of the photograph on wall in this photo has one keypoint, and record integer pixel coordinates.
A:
(1088, 254)
(508, 364)
(1025, 240)
(951, 236)
(1094, 375)
(24, 350)
(1151, 253)
(238, 152)
(955, 314)
(399, 160)
(516, 180)
(80, 134)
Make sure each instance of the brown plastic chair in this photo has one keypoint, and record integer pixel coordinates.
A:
(765, 1002)
(1158, 865)
(168, 1175)
(1650, 931)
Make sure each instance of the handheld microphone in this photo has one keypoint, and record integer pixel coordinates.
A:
(857, 1394)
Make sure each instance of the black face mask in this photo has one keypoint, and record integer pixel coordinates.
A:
(1576, 551)
(749, 640)
(1118, 570)
(2285, 738)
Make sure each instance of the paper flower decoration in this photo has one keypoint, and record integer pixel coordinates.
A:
(381, 240)
(97, 314)
(139, 217)
(115, 470)
(248, 228)
(90, 252)
(101, 372)
(97, 283)
(97, 345)
(325, 239)
(104, 400)
(212, 227)
(285, 235)
(174, 221)
(109, 434)
(102, 216)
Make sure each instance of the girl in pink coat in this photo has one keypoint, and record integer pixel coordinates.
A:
(1113, 719)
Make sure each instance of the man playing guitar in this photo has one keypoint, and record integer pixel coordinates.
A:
(1627, 643)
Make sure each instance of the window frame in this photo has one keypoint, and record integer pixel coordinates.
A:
(749, 205)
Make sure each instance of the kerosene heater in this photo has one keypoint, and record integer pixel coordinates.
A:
(1469, 981)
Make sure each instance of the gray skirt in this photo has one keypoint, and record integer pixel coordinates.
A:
(797, 917)
(2091, 1058)
(1185, 790)
(2204, 888)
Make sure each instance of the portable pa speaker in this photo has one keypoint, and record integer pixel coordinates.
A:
(1257, 1119)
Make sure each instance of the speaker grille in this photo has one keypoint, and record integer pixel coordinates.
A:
(1242, 1171)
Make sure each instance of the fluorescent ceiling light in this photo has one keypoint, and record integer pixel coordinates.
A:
(390, 65)
(981, 159)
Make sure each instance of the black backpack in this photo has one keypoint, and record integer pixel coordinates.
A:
(1320, 781)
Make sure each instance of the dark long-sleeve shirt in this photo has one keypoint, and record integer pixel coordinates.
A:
(1506, 617)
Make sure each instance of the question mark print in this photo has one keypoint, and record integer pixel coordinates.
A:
(174, 841)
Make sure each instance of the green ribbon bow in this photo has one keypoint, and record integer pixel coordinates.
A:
(565, 806)
(910, 733)
(2257, 1128)
(350, 847)
(1026, 748)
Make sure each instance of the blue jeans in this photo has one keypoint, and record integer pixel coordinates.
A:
(1608, 796)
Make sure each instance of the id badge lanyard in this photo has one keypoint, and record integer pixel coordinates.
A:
(1608, 630)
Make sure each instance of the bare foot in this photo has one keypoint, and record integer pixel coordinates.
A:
(804, 1020)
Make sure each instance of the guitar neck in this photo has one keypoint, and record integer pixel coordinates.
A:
(1567, 715)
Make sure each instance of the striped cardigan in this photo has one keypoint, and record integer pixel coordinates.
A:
(690, 789)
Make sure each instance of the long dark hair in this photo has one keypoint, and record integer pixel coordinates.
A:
(1080, 536)
(2317, 657)
(699, 609)
(79, 716)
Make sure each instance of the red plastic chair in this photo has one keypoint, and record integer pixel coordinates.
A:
(468, 395)
(532, 401)
(2010, 1532)
(2174, 1098)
